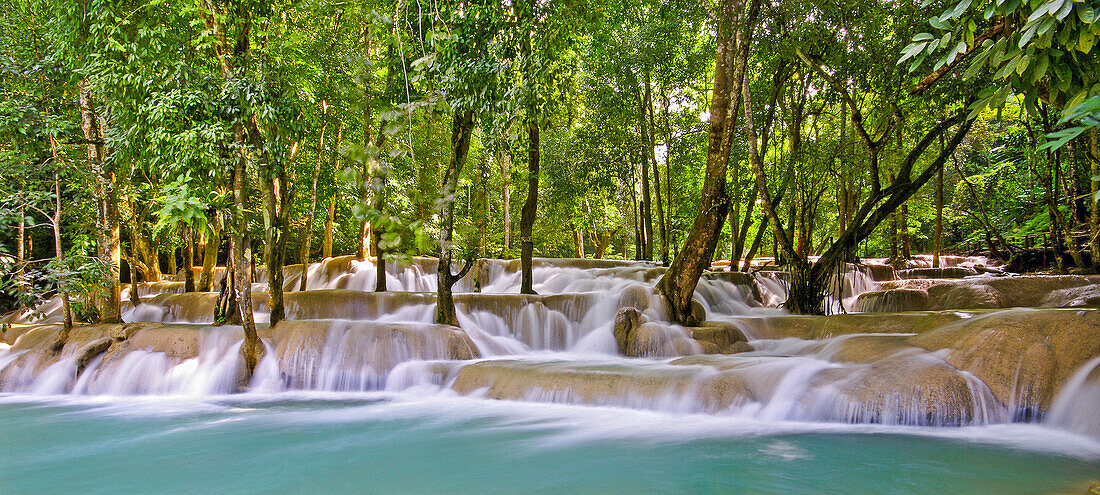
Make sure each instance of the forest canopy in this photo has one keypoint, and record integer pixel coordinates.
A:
(141, 138)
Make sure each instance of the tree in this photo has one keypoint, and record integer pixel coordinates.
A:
(678, 284)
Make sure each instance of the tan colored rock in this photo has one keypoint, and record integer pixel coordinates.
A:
(723, 337)
(90, 352)
(1074, 297)
(1023, 355)
(627, 321)
(892, 301)
(945, 272)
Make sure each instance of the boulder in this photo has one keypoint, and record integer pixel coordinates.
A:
(1073, 297)
(892, 301)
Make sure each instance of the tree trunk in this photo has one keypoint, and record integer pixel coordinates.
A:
(1094, 215)
(225, 306)
(937, 235)
(635, 221)
(601, 245)
(188, 257)
(20, 246)
(735, 26)
(307, 230)
(505, 161)
(330, 220)
(461, 131)
(903, 221)
(530, 205)
(578, 241)
(652, 155)
(364, 188)
(647, 209)
(173, 265)
(274, 241)
(210, 252)
(66, 307)
(106, 202)
(378, 191)
(252, 350)
(135, 297)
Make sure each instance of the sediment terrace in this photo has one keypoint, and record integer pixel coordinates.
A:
(977, 359)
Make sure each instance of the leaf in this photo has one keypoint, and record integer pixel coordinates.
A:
(960, 8)
(911, 51)
(1058, 139)
(1086, 13)
(1028, 34)
(923, 37)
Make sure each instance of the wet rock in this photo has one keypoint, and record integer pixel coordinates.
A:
(1022, 355)
(740, 279)
(946, 272)
(882, 273)
(90, 352)
(627, 321)
(641, 385)
(358, 355)
(636, 296)
(1073, 297)
(991, 292)
(965, 296)
(892, 301)
(723, 337)
(818, 327)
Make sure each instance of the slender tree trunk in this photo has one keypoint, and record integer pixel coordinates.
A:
(578, 241)
(210, 252)
(135, 297)
(107, 203)
(647, 208)
(652, 155)
(330, 220)
(20, 245)
(903, 221)
(1094, 215)
(188, 257)
(226, 311)
(735, 26)
(505, 161)
(482, 206)
(66, 307)
(636, 221)
(380, 174)
(173, 265)
(364, 188)
(461, 131)
(937, 235)
(527, 218)
(274, 242)
(252, 350)
(307, 230)
(735, 223)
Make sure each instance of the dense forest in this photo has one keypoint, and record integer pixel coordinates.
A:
(137, 138)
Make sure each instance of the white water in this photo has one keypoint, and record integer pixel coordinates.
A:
(782, 381)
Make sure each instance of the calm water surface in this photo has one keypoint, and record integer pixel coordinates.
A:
(386, 443)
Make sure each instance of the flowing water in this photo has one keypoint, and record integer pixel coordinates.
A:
(360, 392)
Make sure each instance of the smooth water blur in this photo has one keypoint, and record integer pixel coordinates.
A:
(387, 443)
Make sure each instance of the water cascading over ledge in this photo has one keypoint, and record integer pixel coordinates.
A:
(933, 368)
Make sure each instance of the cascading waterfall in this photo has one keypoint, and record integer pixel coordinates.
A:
(556, 347)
